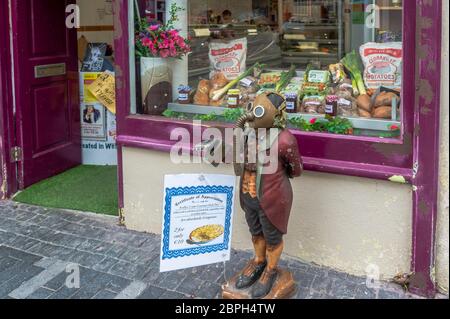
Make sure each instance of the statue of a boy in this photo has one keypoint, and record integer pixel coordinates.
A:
(266, 193)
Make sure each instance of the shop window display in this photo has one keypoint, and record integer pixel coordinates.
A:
(337, 63)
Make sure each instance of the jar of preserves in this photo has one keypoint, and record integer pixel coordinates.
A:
(291, 102)
(331, 105)
(234, 97)
(184, 94)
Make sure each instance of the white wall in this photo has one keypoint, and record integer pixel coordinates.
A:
(442, 270)
(96, 13)
(343, 222)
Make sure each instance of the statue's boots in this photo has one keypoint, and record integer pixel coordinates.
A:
(265, 283)
(255, 267)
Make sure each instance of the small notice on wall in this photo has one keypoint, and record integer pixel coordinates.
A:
(104, 89)
(197, 221)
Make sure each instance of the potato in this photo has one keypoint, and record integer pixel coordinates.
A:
(385, 99)
(382, 112)
(364, 102)
(364, 113)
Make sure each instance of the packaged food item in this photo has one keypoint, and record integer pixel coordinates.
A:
(248, 87)
(315, 82)
(234, 96)
(228, 57)
(291, 102)
(346, 106)
(269, 79)
(201, 97)
(184, 94)
(337, 72)
(313, 104)
(382, 64)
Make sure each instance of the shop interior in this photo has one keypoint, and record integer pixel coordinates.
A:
(91, 186)
(312, 37)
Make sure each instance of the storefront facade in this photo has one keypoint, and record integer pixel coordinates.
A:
(372, 202)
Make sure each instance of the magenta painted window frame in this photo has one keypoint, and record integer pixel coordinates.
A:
(415, 157)
(370, 157)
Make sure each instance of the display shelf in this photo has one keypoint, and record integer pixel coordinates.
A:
(357, 122)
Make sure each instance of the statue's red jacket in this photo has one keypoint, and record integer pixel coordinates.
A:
(275, 190)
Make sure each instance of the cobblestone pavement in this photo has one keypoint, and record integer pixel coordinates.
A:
(39, 246)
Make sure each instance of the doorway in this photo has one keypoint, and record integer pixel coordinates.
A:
(65, 136)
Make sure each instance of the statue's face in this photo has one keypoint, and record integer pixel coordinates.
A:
(264, 112)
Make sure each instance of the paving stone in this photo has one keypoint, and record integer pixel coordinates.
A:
(189, 286)
(116, 250)
(57, 282)
(43, 249)
(67, 240)
(86, 259)
(23, 242)
(208, 290)
(173, 295)
(152, 292)
(105, 294)
(154, 276)
(8, 262)
(117, 284)
(343, 289)
(63, 293)
(322, 284)
(303, 279)
(363, 292)
(17, 278)
(95, 246)
(386, 294)
(41, 293)
(25, 216)
(18, 254)
(106, 264)
(128, 270)
(6, 237)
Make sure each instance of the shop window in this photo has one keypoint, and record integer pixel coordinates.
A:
(339, 64)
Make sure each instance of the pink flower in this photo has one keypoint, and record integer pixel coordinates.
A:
(154, 27)
(164, 53)
(313, 121)
(394, 128)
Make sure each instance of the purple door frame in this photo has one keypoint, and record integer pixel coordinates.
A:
(415, 158)
(8, 181)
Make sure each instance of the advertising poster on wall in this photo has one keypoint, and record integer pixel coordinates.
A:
(197, 221)
(98, 126)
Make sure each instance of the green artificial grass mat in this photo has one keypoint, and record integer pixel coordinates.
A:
(85, 188)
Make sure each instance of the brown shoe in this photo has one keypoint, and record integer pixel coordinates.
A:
(250, 274)
(264, 284)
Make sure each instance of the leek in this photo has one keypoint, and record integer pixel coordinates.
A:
(351, 63)
(286, 77)
(218, 94)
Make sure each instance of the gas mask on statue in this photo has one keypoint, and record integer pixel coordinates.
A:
(267, 111)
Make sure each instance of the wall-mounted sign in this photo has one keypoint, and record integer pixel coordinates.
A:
(48, 70)
(197, 221)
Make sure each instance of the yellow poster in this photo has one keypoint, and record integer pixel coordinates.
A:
(88, 79)
(104, 90)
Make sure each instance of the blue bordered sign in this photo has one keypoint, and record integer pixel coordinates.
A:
(197, 220)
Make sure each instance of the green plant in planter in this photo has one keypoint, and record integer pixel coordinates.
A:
(206, 117)
(334, 125)
(174, 115)
(232, 115)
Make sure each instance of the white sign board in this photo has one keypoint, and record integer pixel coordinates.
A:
(197, 220)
